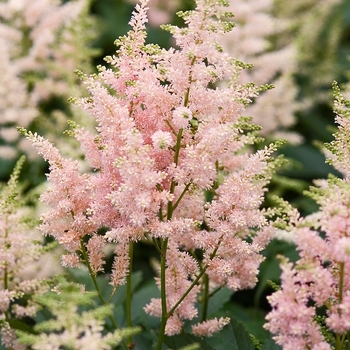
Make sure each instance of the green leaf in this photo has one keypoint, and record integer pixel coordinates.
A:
(120, 296)
(139, 300)
(178, 341)
(218, 300)
(271, 345)
(19, 325)
(233, 337)
(252, 318)
(269, 268)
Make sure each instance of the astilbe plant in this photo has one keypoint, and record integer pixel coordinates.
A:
(311, 310)
(169, 165)
(20, 247)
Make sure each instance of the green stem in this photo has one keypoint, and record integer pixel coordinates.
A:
(214, 292)
(341, 282)
(171, 127)
(6, 276)
(339, 341)
(170, 210)
(94, 281)
(340, 338)
(156, 244)
(181, 195)
(165, 314)
(195, 282)
(93, 277)
(187, 93)
(163, 294)
(205, 297)
(178, 146)
(128, 290)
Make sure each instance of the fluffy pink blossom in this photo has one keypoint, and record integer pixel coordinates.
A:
(120, 268)
(208, 328)
(95, 253)
(9, 339)
(20, 249)
(320, 278)
(165, 141)
(291, 318)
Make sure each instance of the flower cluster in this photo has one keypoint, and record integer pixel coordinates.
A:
(320, 278)
(169, 165)
(20, 250)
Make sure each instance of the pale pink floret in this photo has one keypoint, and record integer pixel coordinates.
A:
(208, 328)
(291, 319)
(181, 117)
(70, 260)
(120, 268)
(339, 316)
(9, 339)
(341, 250)
(95, 253)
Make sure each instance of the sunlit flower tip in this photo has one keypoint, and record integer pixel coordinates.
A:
(181, 117)
(162, 140)
(208, 328)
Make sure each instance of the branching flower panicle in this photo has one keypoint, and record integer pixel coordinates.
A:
(320, 278)
(169, 165)
(20, 250)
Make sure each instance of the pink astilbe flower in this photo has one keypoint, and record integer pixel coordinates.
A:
(320, 278)
(69, 221)
(120, 268)
(9, 339)
(20, 248)
(95, 252)
(169, 165)
(208, 328)
(291, 318)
